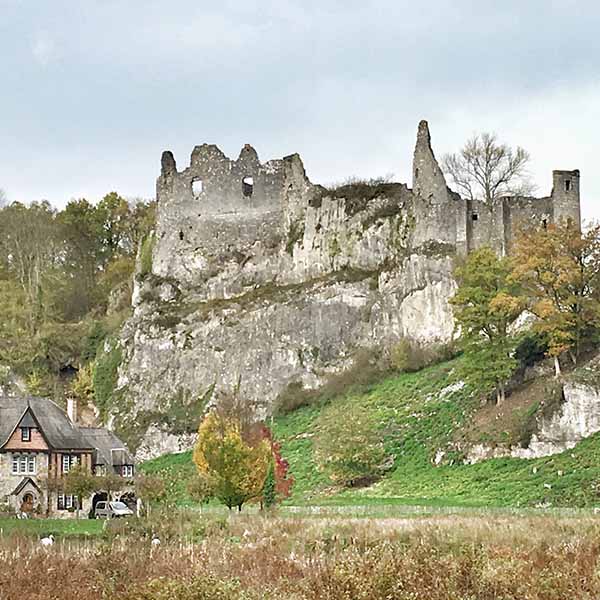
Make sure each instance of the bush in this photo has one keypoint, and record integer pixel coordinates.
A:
(348, 445)
(408, 356)
(105, 375)
(146, 251)
(532, 348)
(198, 588)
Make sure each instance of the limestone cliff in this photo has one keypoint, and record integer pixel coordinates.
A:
(576, 417)
(256, 279)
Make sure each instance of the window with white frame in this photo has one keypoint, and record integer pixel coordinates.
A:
(68, 462)
(127, 471)
(67, 502)
(25, 434)
(23, 464)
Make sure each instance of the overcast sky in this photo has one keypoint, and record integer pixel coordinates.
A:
(93, 91)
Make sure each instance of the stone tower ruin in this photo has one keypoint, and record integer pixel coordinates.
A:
(261, 280)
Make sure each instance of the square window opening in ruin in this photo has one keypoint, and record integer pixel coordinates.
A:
(474, 216)
(247, 186)
(197, 187)
(567, 185)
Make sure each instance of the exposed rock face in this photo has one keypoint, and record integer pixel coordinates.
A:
(577, 418)
(258, 279)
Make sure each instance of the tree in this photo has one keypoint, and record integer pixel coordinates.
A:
(269, 491)
(348, 445)
(200, 488)
(282, 480)
(150, 489)
(28, 240)
(110, 483)
(559, 270)
(80, 483)
(486, 304)
(236, 469)
(486, 169)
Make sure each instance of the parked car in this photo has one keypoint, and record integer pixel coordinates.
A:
(110, 510)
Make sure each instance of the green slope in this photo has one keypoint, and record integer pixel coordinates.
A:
(417, 418)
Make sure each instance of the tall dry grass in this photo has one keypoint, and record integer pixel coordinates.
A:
(252, 557)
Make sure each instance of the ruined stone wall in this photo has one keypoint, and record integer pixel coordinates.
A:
(260, 279)
(496, 224)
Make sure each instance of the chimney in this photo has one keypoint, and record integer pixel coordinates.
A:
(72, 410)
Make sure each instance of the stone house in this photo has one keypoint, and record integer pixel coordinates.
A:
(40, 443)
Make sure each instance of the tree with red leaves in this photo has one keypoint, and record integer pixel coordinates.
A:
(283, 480)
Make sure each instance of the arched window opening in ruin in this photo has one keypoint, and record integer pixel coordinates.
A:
(544, 223)
(474, 216)
(197, 187)
(181, 235)
(247, 186)
(567, 185)
(417, 173)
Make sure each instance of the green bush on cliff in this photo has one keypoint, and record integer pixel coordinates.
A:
(146, 251)
(105, 375)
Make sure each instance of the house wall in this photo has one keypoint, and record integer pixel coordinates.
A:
(8, 481)
(37, 441)
(48, 465)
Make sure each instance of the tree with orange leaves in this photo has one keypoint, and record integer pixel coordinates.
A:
(235, 469)
(558, 268)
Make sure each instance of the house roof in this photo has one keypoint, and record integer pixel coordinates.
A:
(59, 431)
(23, 483)
(53, 421)
(28, 420)
(110, 450)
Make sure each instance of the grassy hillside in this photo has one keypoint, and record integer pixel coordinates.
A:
(419, 414)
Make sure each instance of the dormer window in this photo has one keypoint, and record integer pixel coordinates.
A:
(25, 434)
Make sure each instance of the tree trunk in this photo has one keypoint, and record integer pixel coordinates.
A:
(557, 371)
(573, 358)
(500, 394)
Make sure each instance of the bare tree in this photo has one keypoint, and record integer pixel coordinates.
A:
(486, 169)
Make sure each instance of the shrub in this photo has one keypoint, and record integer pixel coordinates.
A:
(198, 588)
(105, 375)
(293, 397)
(146, 251)
(348, 445)
(532, 348)
(408, 356)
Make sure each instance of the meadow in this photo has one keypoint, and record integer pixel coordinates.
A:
(420, 414)
(463, 555)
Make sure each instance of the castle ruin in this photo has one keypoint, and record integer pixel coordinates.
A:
(260, 280)
(218, 207)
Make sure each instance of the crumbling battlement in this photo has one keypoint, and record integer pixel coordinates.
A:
(228, 224)
(261, 280)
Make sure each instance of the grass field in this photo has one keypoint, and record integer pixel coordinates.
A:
(211, 556)
(418, 418)
(60, 528)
